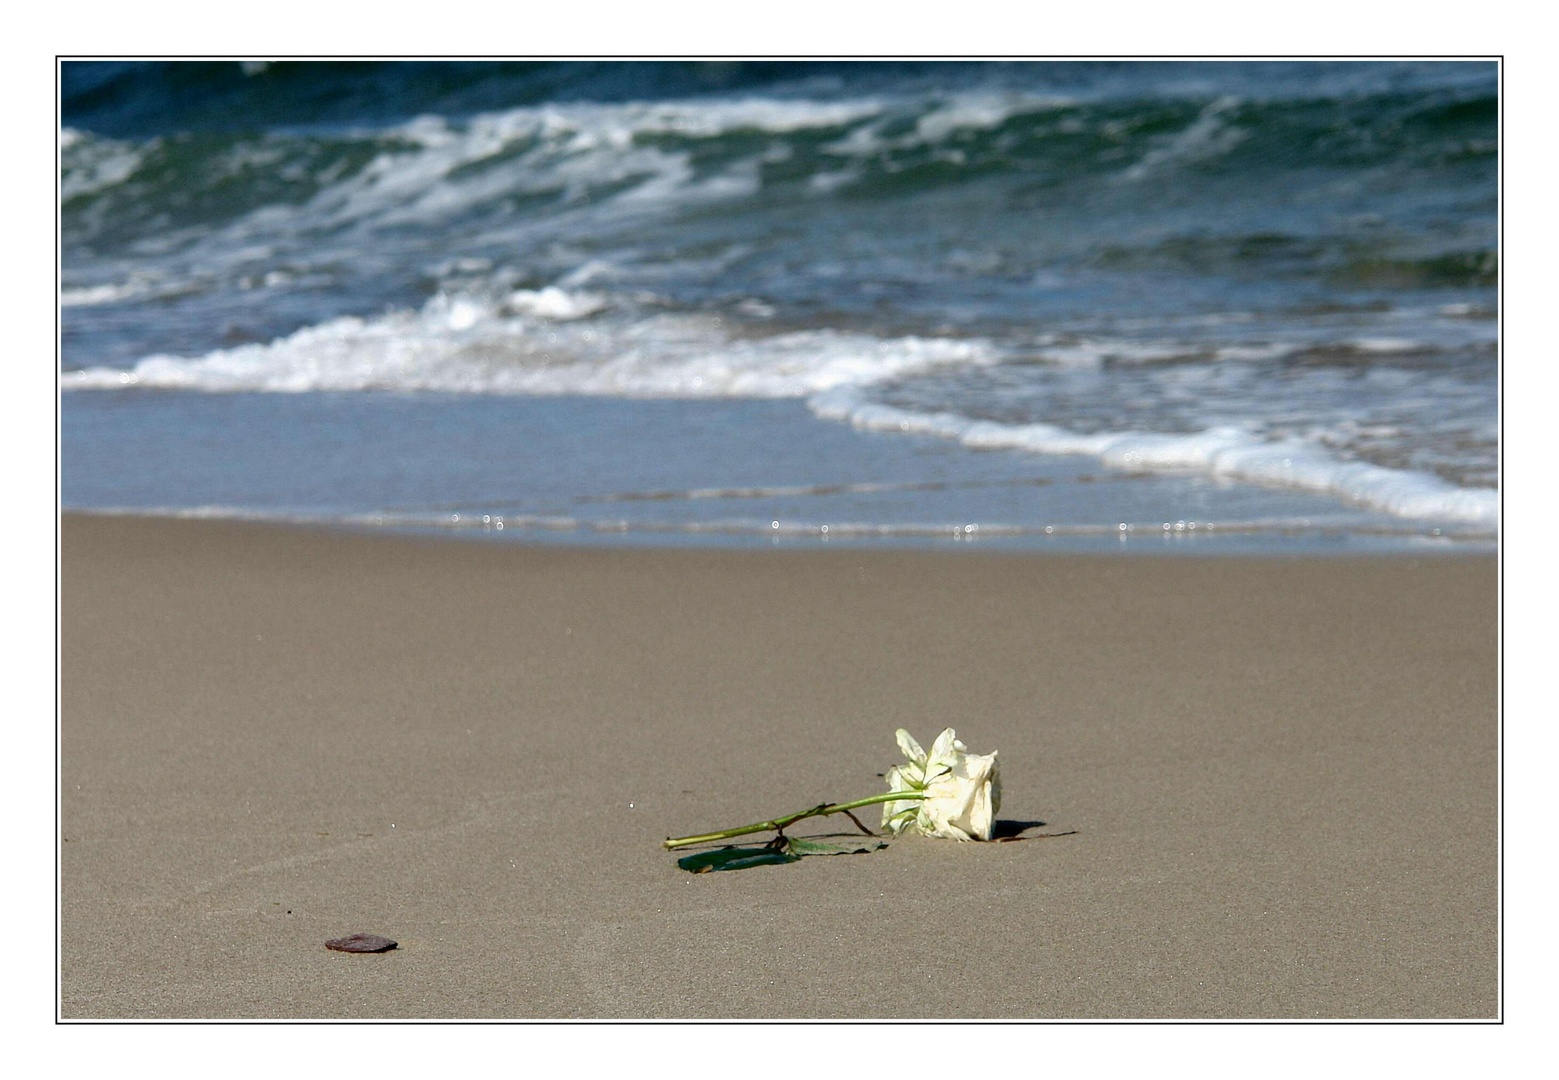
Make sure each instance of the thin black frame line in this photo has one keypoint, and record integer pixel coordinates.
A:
(1499, 548)
(59, 726)
(1497, 1020)
(847, 57)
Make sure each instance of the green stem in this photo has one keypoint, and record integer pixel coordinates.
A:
(778, 824)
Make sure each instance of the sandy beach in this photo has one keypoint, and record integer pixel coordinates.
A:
(1246, 787)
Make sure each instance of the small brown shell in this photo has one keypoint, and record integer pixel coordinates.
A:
(360, 943)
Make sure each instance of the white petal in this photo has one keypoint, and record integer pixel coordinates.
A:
(910, 747)
(995, 789)
(942, 757)
(919, 824)
(944, 749)
(962, 803)
(902, 817)
(897, 782)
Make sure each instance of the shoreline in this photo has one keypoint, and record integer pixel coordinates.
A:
(672, 471)
(1282, 774)
(1236, 539)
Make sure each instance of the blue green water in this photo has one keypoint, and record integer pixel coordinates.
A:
(692, 301)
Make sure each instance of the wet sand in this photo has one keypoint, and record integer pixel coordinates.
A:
(1247, 788)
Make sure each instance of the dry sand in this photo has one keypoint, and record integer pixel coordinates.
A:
(1282, 777)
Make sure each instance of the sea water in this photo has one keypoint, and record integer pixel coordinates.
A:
(1151, 306)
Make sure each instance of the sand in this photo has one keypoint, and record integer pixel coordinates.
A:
(1276, 780)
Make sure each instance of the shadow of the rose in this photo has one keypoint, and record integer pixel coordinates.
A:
(783, 849)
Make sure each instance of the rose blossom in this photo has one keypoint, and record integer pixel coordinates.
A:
(963, 790)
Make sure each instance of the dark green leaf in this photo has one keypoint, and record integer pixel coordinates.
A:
(734, 858)
(823, 847)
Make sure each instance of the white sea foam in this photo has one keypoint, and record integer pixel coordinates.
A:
(602, 164)
(830, 181)
(1209, 136)
(561, 341)
(89, 163)
(971, 111)
(99, 294)
(555, 303)
(466, 345)
(138, 286)
(1466, 311)
(1383, 345)
(1226, 452)
(577, 342)
(1091, 352)
(1094, 352)
(570, 148)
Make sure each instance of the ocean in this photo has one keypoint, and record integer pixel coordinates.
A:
(1198, 307)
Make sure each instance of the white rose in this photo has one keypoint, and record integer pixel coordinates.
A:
(963, 790)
